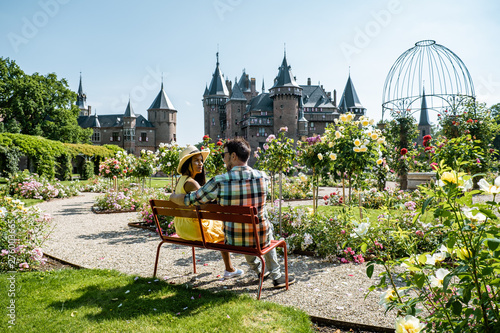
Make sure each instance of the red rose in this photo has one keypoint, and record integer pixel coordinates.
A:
(219, 143)
(427, 137)
(206, 137)
(404, 151)
(428, 148)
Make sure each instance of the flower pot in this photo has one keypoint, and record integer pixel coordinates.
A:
(417, 178)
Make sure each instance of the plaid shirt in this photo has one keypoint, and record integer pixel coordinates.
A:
(242, 186)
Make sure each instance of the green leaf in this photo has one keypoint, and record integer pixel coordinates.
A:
(369, 270)
(426, 203)
(364, 246)
(446, 281)
(493, 243)
(487, 270)
(419, 279)
(422, 259)
(456, 308)
(466, 295)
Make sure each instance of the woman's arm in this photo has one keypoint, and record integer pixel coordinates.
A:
(191, 185)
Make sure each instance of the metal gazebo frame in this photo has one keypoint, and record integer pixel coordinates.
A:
(431, 71)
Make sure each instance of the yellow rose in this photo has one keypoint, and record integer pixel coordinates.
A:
(338, 135)
(330, 144)
(372, 121)
(320, 156)
(380, 161)
(374, 136)
(381, 141)
(365, 122)
(450, 177)
(356, 149)
(333, 156)
(350, 117)
(357, 142)
(362, 149)
(343, 118)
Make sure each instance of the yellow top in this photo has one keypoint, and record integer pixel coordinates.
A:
(189, 229)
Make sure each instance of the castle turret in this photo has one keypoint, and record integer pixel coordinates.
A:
(286, 94)
(81, 100)
(163, 115)
(214, 105)
(349, 103)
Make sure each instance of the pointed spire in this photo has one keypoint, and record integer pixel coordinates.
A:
(285, 77)
(218, 84)
(129, 112)
(263, 87)
(81, 98)
(237, 93)
(424, 115)
(80, 87)
(349, 98)
(206, 90)
(244, 82)
(162, 102)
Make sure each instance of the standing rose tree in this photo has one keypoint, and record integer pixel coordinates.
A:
(316, 155)
(277, 156)
(145, 166)
(168, 157)
(214, 164)
(120, 166)
(357, 147)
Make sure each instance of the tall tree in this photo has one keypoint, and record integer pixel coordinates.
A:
(39, 104)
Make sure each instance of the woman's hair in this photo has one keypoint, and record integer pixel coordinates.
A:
(200, 178)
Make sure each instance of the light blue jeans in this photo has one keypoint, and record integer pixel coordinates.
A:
(271, 259)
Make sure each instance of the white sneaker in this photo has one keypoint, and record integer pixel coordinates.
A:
(236, 273)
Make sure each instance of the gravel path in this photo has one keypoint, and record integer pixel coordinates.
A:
(105, 241)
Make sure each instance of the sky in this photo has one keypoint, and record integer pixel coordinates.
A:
(124, 49)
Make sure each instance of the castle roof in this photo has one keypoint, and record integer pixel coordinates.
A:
(349, 98)
(261, 102)
(285, 77)
(315, 97)
(424, 115)
(244, 82)
(218, 85)
(129, 111)
(110, 120)
(237, 94)
(162, 102)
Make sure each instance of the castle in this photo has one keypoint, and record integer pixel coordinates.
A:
(229, 111)
(130, 131)
(239, 110)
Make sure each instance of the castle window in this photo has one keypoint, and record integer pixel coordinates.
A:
(115, 137)
(143, 137)
(213, 121)
(312, 124)
(129, 134)
(262, 131)
(96, 137)
(281, 106)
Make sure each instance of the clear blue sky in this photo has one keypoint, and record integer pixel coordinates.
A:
(123, 47)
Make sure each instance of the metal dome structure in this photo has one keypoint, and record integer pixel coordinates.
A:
(427, 75)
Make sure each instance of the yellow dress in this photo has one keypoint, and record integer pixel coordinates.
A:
(188, 228)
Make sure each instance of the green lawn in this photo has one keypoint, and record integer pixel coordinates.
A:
(108, 301)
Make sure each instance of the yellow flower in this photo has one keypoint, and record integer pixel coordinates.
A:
(333, 156)
(338, 135)
(302, 177)
(341, 128)
(381, 141)
(463, 253)
(365, 122)
(362, 149)
(409, 324)
(350, 116)
(330, 144)
(357, 142)
(387, 297)
(372, 121)
(380, 161)
(450, 177)
(374, 136)
(343, 118)
(356, 149)
(320, 156)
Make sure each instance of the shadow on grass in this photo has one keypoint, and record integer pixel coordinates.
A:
(142, 297)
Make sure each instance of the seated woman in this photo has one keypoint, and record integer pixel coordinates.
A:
(192, 178)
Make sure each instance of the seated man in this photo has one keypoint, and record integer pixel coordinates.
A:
(240, 186)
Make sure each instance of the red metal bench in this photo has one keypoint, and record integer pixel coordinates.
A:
(238, 214)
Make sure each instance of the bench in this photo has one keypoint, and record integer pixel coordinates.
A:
(239, 214)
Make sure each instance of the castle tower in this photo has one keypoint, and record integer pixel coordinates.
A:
(129, 122)
(424, 126)
(214, 105)
(163, 116)
(285, 94)
(235, 108)
(81, 100)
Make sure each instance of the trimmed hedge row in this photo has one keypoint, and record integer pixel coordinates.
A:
(46, 157)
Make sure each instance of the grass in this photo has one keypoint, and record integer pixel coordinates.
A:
(107, 301)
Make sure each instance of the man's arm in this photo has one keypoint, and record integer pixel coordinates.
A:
(178, 199)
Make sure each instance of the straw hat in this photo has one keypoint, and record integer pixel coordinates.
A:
(189, 152)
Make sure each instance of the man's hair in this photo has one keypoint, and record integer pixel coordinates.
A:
(239, 146)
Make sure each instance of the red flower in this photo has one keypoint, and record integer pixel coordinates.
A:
(219, 143)
(428, 148)
(404, 151)
(427, 137)
(206, 137)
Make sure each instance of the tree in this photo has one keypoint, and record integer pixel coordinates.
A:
(39, 105)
